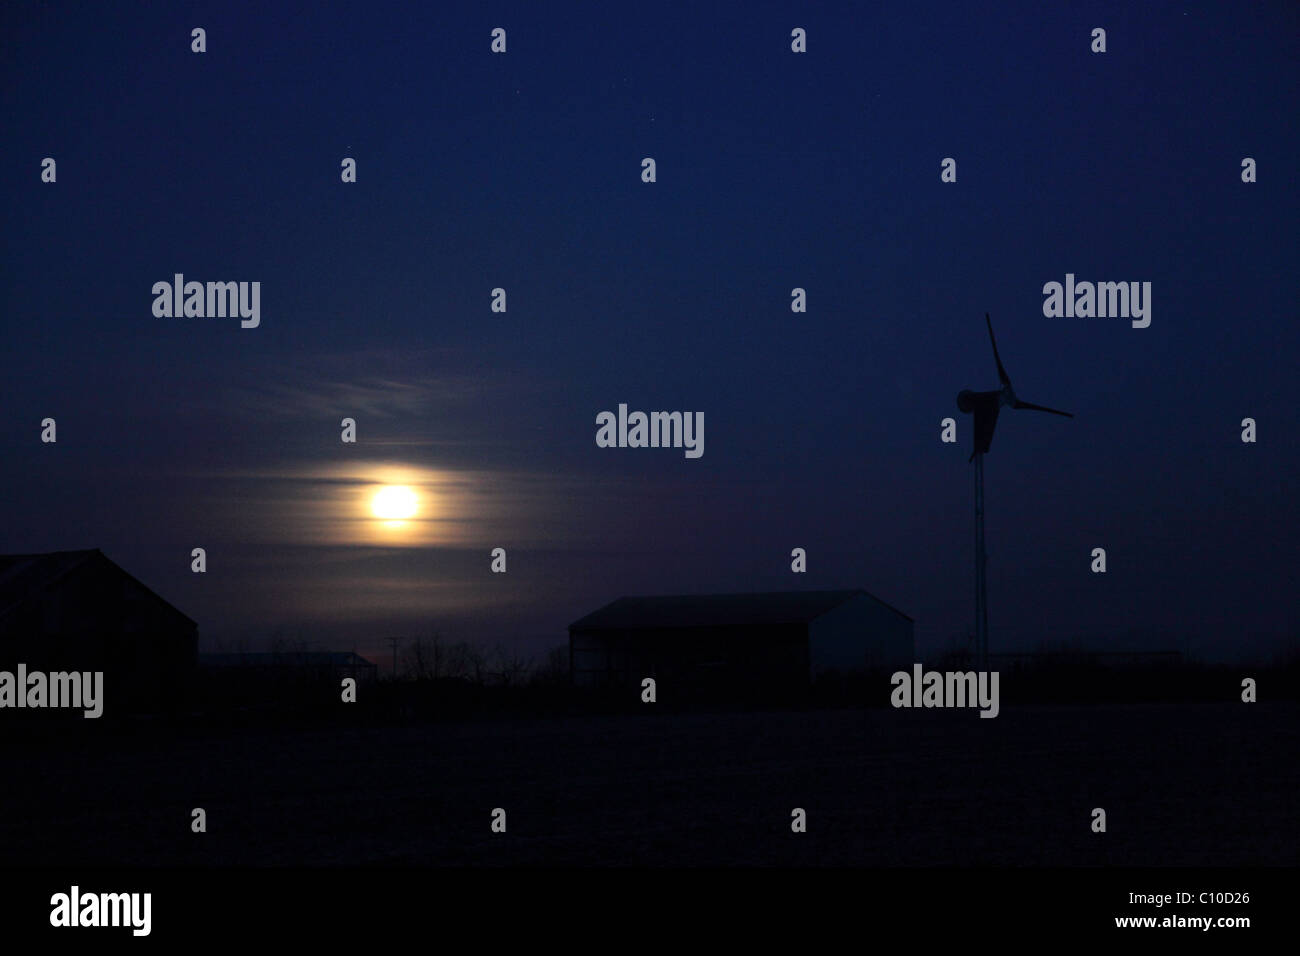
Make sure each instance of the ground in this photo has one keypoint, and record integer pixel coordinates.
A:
(1182, 785)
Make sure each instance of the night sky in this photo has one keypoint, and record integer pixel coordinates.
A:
(774, 170)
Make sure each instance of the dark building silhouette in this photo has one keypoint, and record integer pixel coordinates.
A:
(766, 642)
(78, 611)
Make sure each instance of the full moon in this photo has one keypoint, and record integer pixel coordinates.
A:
(394, 503)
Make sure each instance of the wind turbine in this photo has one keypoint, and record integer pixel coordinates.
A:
(986, 406)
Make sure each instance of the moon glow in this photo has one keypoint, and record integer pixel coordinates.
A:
(394, 503)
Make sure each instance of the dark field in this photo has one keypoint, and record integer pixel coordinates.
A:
(1182, 785)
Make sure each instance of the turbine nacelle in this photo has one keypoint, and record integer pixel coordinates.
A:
(986, 405)
(968, 401)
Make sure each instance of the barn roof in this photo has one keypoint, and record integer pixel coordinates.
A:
(24, 576)
(718, 610)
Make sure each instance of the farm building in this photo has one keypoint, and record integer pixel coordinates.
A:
(770, 641)
(78, 611)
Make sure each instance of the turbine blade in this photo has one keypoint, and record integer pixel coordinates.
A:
(1002, 373)
(1040, 408)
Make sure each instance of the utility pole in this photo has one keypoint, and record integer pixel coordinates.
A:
(393, 642)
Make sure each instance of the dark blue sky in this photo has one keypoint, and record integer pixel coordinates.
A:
(775, 170)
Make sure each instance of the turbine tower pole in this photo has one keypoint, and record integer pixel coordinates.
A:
(981, 588)
(985, 407)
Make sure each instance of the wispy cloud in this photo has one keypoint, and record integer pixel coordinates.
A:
(377, 384)
(330, 504)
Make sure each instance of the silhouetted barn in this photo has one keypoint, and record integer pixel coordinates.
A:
(78, 611)
(765, 642)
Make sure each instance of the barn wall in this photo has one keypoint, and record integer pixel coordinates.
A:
(860, 634)
(693, 659)
(588, 655)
